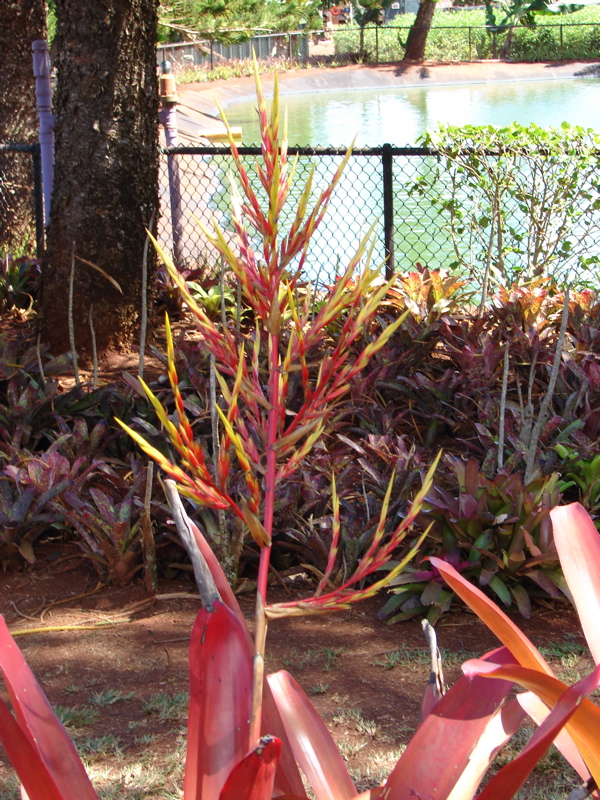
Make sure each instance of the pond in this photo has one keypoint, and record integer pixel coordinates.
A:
(399, 116)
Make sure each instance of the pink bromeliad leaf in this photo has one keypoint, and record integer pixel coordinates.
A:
(287, 779)
(496, 620)
(584, 723)
(26, 759)
(311, 743)
(254, 776)
(538, 711)
(39, 725)
(455, 743)
(220, 700)
(509, 780)
(578, 545)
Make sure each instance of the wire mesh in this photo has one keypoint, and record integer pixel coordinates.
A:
(436, 220)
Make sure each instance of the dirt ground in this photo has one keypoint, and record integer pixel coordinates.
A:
(113, 663)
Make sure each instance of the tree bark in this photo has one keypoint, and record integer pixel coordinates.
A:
(417, 35)
(21, 23)
(106, 171)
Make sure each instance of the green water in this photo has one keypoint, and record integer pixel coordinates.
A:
(398, 116)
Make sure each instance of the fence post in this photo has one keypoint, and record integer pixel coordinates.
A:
(387, 165)
(561, 39)
(43, 96)
(38, 201)
(470, 45)
(377, 44)
(168, 119)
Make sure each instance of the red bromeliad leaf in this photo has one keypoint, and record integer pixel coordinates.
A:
(287, 778)
(585, 722)
(39, 724)
(442, 749)
(311, 742)
(502, 726)
(495, 619)
(538, 712)
(509, 780)
(26, 759)
(578, 545)
(220, 699)
(253, 777)
(219, 577)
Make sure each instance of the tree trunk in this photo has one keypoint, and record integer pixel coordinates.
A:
(417, 35)
(21, 23)
(106, 172)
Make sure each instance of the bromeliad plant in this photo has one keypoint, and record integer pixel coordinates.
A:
(496, 532)
(280, 385)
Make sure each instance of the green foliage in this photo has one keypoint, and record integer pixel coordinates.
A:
(496, 532)
(18, 282)
(235, 69)
(462, 35)
(233, 21)
(583, 469)
(537, 207)
(522, 12)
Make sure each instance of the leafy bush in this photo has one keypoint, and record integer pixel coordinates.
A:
(536, 209)
(495, 532)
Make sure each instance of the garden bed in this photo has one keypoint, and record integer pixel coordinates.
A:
(120, 682)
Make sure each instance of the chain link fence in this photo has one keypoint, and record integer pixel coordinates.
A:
(412, 202)
(21, 198)
(382, 44)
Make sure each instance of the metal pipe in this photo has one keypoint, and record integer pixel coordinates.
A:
(38, 201)
(43, 95)
(168, 119)
(387, 165)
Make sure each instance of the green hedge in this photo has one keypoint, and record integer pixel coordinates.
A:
(461, 36)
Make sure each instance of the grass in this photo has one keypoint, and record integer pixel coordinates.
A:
(326, 656)
(110, 697)
(235, 69)
(353, 717)
(76, 716)
(168, 706)
(332, 654)
(377, 769)
(148, 776)
(405, 657)
(350, 748)
(94, 747)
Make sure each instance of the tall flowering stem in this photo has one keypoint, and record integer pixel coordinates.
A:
(257, 429)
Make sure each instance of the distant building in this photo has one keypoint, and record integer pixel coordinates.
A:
(401, 7)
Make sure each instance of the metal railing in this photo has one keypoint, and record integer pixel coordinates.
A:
(386, 44)
(378, 188)
(21, 194)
